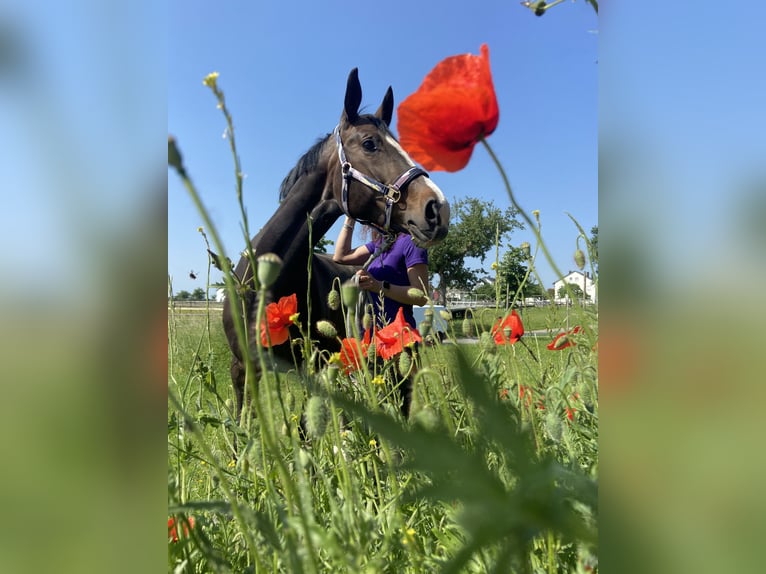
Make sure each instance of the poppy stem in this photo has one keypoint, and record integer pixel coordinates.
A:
(535, 229)
(531, 352)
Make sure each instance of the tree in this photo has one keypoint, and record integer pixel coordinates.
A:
(511, 271)
(475, 225)
(594, 247)
(198, 294)
(323, 244)
(182, 295)
(575, 289)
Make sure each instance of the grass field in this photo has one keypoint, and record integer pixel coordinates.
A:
(495, 470)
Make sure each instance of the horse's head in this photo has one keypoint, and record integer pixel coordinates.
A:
(381, 185)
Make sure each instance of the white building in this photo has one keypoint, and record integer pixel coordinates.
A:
(583, 280)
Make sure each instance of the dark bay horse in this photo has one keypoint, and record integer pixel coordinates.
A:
(342, 173)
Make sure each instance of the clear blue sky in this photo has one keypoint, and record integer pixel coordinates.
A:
(283, 68)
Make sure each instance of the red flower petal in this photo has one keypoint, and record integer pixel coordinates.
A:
(352, 353)
(279, 317)
(562, 340)
(455, 106)
(512, 322)
(391, 339)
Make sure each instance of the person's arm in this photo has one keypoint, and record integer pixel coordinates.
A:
(418, 276)
(343, 252)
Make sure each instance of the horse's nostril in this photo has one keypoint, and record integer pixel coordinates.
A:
(432, 212)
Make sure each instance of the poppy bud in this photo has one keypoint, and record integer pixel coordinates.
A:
(446, 315)
(367, 320)
(349, 292)
(579, 258)
(425, 327)
(333, 300)
(174, 156)
(415, 293)
(468, 328)
(326, 329)
(317, 417)
(426, 419)
(486, 342)
(526, 249)
(553, 426)
(269, 266)
(405, 363)
(371, 349)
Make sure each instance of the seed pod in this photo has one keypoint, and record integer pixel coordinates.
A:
(486, 342)
(405, 363)
(174, 156)
(553, 426)
(349, 292)
(326, 329)
(367, 321)
(317, 417)
(415, 293)
(269, 266)
(333, 300)
(579, 258)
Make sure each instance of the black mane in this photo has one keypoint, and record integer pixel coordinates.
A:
(306, 164)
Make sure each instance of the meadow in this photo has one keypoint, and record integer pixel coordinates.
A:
(494, 471)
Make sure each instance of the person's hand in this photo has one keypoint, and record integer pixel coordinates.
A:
(367, 282)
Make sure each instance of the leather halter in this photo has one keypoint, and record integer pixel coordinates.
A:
(391, 193)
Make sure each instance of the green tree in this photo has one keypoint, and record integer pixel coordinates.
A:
(594, 246)
(576, 291)
(182, 295)
(511, 271)
(198, 294)
(474, 225)
(323, 244)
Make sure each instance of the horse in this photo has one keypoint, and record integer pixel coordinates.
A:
(340, 174)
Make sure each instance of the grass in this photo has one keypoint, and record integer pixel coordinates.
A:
(479, 479)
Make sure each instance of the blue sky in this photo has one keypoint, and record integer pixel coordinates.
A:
(283, 68)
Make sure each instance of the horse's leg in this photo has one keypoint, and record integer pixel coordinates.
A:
(238, 382)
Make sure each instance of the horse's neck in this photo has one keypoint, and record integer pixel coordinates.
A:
(287, 232)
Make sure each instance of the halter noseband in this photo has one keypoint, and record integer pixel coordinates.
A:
(391, 193)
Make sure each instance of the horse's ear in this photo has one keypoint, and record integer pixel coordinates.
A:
(353, 96)
(386, 110)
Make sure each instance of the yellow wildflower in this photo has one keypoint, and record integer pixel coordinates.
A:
(211, 80)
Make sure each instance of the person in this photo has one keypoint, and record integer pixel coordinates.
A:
(390, 279)
(390, 276)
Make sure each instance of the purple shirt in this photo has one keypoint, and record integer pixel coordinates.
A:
(392, 266)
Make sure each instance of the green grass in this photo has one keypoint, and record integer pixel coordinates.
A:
(478, 480)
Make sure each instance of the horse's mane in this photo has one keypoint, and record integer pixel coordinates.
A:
(309, 161)
(306, 164)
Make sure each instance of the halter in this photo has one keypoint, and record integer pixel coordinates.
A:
(391, 193)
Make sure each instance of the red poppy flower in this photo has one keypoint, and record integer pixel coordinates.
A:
(570, 413)
(562, 340)
(279, 317)
(352, 352)
(512, 322)
(440, 123)
(173, 534)
(391, 339)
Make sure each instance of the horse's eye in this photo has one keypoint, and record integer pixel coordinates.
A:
(369, 145)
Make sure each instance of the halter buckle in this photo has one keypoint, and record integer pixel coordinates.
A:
(392, 194)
